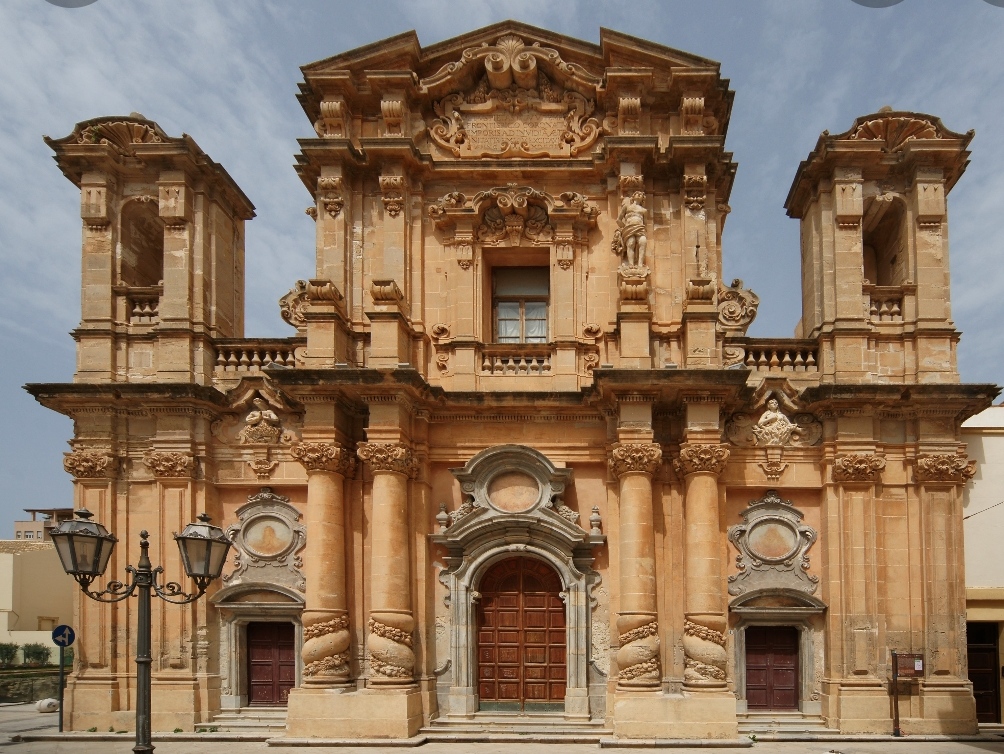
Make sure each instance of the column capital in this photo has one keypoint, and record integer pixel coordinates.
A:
(858, 467)
(389, 456)
(695, 459)
(322, 456)
(638, 458)
(944, 467)
(89, 464)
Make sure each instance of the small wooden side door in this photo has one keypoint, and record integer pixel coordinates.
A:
(271, 663)
(981, 640)
(771, 668)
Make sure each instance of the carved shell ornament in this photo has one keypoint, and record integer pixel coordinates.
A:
(895, 131)
(515, 109)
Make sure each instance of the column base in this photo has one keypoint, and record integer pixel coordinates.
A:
(334, 713)
(929, 707)
(707, 715)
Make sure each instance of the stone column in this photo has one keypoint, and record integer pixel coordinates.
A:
(637, 624)
(326, 618)
(705, 619)
(391, 621)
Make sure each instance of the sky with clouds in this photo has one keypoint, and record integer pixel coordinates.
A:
(226, 73)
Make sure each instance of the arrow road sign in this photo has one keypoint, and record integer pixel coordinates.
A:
(63, 636)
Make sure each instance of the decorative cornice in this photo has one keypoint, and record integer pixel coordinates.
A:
(321, 456)
(171, 465)
(944, 467)
(701, 458)
(857, 467)
(635, 458)
(389, 456)
(87, 464)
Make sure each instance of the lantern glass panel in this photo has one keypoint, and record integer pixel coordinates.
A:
(65, 550)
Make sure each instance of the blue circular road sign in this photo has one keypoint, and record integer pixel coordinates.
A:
(63, 636)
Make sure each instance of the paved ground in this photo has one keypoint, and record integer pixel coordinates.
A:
(23, 718)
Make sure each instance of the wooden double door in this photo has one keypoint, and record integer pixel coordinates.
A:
(271, 663)
(772, 676)
(984, 670)
(522, 645)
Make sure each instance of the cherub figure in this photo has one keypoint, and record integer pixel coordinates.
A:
(630, 238)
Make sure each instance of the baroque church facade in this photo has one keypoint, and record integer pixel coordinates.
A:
(519, 458)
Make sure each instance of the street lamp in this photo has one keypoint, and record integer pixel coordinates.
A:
(85, 546)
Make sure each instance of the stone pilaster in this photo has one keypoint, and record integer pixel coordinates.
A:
(326, 634)
(705, 619)
(391, 621)
(633, 464)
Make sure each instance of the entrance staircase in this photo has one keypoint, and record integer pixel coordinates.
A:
(778, 726)
(497, 727)
(253, 722)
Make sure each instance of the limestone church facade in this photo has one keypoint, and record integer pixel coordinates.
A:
(518, 458)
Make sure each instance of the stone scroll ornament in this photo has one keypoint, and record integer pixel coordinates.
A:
(944, 467)
(773, 546)
(515, 109)
(857, 467)
(388, 456)
(638, 458)
(321, 456)
(171, 465)
(87, 464)
(696, 459)
(638, 656)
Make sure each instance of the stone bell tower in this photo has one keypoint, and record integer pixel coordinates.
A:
(162, 252)
(874, 237)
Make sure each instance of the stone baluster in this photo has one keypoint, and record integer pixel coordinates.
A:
(391, 622)
(637, 623)
(325, 619)
(704, 613)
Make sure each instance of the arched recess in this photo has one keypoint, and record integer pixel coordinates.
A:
(884, 242)
(141, 244)
(512, 506)
(239, 605)
(779, 606)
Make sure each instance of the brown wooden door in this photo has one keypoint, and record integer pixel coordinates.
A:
(981, 639)
(271, 663)
(521, 638)
(771, 667)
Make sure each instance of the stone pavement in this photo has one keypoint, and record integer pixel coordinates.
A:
(23, 719)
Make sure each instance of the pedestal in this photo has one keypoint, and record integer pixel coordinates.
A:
(366, 714)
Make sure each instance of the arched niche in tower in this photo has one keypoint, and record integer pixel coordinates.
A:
(141, 247)
(884, 241)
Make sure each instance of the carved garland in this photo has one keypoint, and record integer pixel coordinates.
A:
(320, 456)
(857, 467)
(324, 648)
(170, 465)
(944, 467)
(86, 464)
(701, 458)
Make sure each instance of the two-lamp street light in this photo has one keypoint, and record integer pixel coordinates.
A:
(85, 546)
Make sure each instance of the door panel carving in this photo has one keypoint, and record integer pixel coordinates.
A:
(521, 638)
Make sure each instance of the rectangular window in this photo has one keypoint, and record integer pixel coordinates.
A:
(519, 299)
(29, 535)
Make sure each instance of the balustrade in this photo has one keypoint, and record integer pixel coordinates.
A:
(254, 356)
(780, 357)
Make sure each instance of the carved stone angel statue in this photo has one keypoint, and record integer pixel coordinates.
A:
(630, 238)
(262, 424)
(773, 427)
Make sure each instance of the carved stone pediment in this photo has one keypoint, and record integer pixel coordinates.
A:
(773, 546)
(260, 414)
(268, 541)
(511, 214)
(509, 489)
(773, 428)
(520, 106)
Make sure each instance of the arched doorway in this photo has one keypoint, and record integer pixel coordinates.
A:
(521, 638)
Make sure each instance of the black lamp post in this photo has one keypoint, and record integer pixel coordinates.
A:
(84, 547)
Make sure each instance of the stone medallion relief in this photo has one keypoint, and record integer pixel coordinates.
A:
(773, 546)
(773, 431)
(268, 542)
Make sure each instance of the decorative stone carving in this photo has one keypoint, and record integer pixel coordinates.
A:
(701, 459)
(387, 456)
(695, 190)
(293, 305)
(635, 458)
(390, 648)
(631, 238)
(773, 546)
(857, 467)
(121, 135)
(633, 283)
(438, 210)
(704, 654)
(263, 467)
(268, 542)
(692, 114)
(896, 131)
(262, 425)
(324, 291)
(516, 109)
(737, 307)
(392, 188)
(944, 467)
(385, 293)
(638, 655)
(87, 464)
(628, 115)
(311, 212)
(169, 464)
(773, 428)
(513, 213)
(334, 120)
(393, 111)
(325, 648)
(330, 195)
(321, 456)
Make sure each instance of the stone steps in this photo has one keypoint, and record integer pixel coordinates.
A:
(781, 723)
(501, 728)
(265, 722)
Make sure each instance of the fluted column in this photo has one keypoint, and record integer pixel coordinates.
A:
(325, 619)
(391, 622)
(704, 609)
(637, 623)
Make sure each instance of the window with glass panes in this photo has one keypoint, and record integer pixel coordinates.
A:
(519, 298)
